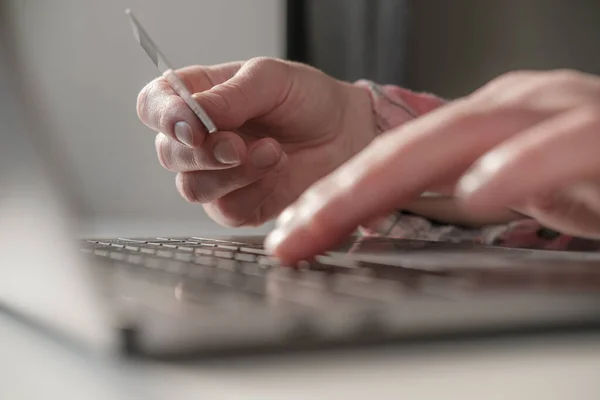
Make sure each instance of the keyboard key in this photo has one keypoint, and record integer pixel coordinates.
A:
(223, 254)
(204, 251)
(185, 248)
(254, 250)
(245, 257)
(139, 241)
(164, 253)
(170, 240)
(268, 261)
(227, 247)
(187, 257)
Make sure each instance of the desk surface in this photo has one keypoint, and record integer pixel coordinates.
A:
(33, 366)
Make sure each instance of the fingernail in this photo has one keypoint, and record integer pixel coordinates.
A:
(274, 239)
(285, 217)
(226, 153)
(475, 179)
(470, 183)
(264, 156)
(183, 133)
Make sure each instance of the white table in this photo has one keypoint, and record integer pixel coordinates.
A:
(34, 366)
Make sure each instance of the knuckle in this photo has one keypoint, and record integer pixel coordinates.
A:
(512, 77)
(564, 76)
(268, 68)
(501, 81)
(513, 98)
(264, 62)
(496, 90)
(469, 110)
(583, 83)
(187, 185)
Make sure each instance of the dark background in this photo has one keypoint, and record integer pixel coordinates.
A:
(446, 47)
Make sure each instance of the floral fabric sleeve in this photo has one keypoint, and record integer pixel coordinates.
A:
(394, 106)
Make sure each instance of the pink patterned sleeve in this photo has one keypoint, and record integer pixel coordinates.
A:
(394, 106)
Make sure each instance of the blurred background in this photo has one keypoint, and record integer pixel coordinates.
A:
(86, 69)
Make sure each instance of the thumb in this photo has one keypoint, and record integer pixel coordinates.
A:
(257, 88)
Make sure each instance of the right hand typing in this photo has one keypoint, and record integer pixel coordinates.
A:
(282, 126)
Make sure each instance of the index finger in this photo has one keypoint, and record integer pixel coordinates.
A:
(162, 110)
(395, 168)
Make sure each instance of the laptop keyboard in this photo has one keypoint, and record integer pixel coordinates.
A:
(246, 266)
(235, 287)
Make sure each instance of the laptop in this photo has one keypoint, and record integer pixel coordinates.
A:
(169, 297)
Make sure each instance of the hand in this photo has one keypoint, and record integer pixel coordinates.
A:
(527, 141)
(282, 126)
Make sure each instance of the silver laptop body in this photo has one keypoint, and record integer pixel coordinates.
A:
(164, 297)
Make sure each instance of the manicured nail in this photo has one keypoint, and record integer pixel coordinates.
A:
(226, 153)
(264, 156)
(183, 132)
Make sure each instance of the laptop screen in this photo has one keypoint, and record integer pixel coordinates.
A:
(41, 272)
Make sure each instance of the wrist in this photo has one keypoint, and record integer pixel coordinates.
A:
(360, 122)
